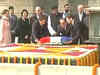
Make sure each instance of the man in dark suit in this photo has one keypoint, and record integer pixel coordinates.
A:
(80, 29)
(40, 29)
(37, 14)
(64, 29)
(13, 22)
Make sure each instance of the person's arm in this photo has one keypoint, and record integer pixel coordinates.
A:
(68, 42)
(16, 20)
(17, 30)
(29, 30)
(18, 27)
(34, 33)
(1, 30)
(75, 35)
(45, 32)
(58, 31)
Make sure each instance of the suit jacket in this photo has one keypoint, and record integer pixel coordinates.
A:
(55, 20)
(77, 20)
(65, 31)
(34, 18)
(13, 22)
(39, 31)
(80, 29)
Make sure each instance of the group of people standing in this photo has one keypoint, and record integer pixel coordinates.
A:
(31, 29)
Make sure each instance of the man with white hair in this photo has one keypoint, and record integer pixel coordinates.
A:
(36, 16)
(80, 28)
(80, 9)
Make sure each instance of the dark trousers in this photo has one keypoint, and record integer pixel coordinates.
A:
(12, 37)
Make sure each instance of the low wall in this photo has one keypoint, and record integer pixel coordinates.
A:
(29, 69)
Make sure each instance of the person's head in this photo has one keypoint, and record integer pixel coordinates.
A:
(5, 12)
(42, 20)
(54, 10)
(80, 8)
(63, 22)
(66, 7)
(24, 13)
(69, 18)
(38, 10)
(11, 10)
(42, 10)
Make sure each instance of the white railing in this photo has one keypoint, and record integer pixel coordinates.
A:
(65, 70)
(29, 69)
(98, 71)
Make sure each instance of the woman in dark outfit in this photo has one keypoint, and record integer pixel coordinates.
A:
(23, 29)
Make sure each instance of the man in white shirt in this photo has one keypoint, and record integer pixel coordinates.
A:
(80, 9)
(80, 28)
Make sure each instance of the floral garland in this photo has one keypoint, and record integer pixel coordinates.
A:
(36, 68)
(95, 69)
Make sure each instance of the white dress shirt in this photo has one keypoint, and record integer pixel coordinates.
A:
(80, 16)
